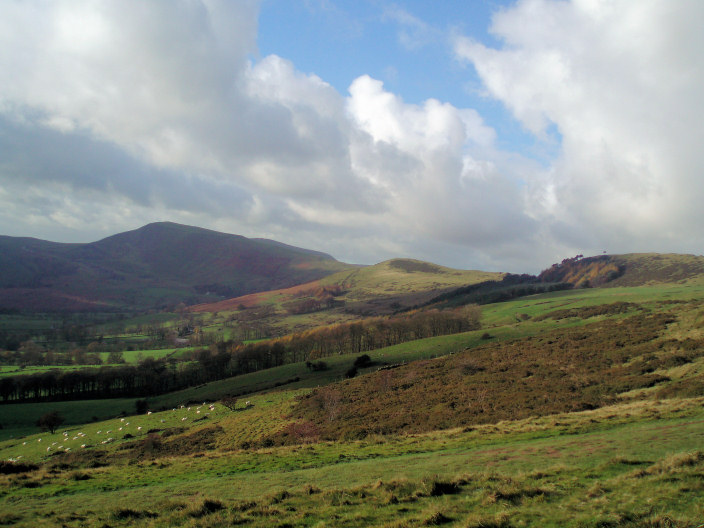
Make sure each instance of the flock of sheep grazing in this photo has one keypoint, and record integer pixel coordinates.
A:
(65, 441)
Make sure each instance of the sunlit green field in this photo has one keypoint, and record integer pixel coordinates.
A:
(499, 314)
(634, 463)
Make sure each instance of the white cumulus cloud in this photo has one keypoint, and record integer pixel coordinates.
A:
(113, 114)
(161, 105)
(621, 82)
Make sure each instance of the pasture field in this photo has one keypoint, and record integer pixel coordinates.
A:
(634, 459)
(635, 464)
(509, 312)
(17, 421)
(132, 357)
(20, 419)
(131, 323)
(14, 370)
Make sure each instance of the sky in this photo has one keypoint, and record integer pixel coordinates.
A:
(484, 134)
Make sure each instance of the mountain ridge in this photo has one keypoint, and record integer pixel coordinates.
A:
(154, 266)
(163, 264)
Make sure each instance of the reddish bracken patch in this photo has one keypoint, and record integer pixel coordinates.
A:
(254, 299)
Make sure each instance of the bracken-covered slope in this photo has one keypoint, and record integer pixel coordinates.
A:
(634, 269)
(158, 265)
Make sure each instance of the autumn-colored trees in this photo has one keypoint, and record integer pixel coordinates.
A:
(222, 360)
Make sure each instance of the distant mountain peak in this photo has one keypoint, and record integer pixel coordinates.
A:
(154, 266)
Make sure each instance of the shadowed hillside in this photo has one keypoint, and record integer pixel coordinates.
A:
(155, 266)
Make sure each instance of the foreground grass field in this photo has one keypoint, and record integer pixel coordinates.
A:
(637, 460)
(634, 464)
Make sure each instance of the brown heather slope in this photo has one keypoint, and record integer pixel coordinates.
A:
(564, 370)
(255, 299)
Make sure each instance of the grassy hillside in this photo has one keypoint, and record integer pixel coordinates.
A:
(624, 465)
(653, 268)
(154, 266)
(579, 408)
(401, 282)
(384, 288)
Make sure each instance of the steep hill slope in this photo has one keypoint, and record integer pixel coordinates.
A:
(151, 267)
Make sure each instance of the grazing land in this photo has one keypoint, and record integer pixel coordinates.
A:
(577, 407)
